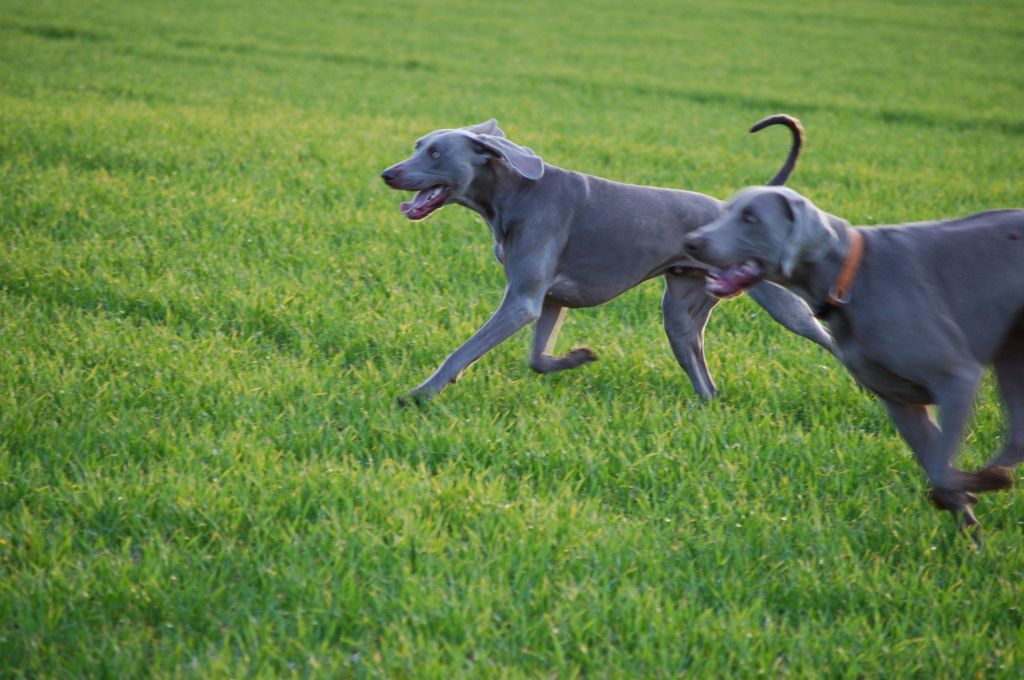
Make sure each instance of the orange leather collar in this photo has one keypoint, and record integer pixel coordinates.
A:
(839, 293)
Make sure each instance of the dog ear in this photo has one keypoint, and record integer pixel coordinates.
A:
(793, 245)
(811, 234)
(522, 159)
(487, 128)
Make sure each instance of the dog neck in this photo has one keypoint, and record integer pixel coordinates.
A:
(849, 253)
(839, 293)
(490, 189)
(815, 280)
(494, 187)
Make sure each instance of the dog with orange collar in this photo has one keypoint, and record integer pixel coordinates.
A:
(917, 312)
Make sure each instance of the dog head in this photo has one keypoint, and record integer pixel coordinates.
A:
(764, 233)
(445, 163)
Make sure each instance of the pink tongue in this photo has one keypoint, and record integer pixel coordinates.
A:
(418, 200)
(728, 282)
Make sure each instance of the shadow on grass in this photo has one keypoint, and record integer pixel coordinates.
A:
(53, 32)
(739, 100)
(247, 322)
(331, 57)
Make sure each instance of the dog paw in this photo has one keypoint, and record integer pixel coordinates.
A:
(581, 355)
(992, 478)
(550, 364)
(951, 499)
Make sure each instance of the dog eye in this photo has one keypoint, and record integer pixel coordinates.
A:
(748, 217)
(434, 153)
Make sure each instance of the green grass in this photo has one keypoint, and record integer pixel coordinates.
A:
(209, 303)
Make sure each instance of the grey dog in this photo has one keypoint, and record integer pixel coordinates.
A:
(917, 312)
(568, 239)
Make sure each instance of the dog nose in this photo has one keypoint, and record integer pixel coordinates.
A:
(389, 175)
(693, 246)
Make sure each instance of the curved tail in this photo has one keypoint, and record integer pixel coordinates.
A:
(794, 152)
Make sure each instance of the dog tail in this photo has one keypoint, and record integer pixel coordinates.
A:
(794, 152)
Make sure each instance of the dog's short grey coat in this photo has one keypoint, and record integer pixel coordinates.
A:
(568, 239)
(931, 305)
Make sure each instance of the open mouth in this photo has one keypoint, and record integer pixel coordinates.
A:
(734, 280)
(425, 202)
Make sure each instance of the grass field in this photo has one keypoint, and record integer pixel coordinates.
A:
(209, 303)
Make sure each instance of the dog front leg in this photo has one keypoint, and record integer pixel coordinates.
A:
(918, 429)
(922, 434)
(956, 401)
(792, 312)
(514, 312)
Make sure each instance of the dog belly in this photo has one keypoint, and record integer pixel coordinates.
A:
(883, 382)
(573, 294)
(599, 283)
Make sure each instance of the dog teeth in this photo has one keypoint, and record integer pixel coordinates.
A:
(437, 190)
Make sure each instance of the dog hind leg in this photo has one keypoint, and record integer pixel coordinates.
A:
(686, 307)
(545, 334)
